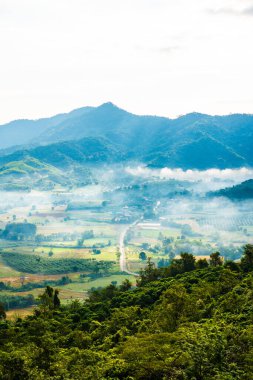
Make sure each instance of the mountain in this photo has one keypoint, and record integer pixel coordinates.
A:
(238, 192)
(21, 132)
(191, 141)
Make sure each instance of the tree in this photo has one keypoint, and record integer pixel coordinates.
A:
(2, 311)
(143, 256)
(215, 259)
(185, 264)
(171, 256)
(79, 243)
(49, 291)
(57, 301)
(188, 262)
(234, 267)
(126, 285)
(49, 300)
(145, 246)
(247, 258)
(96, 251)
(148, 274)
(201, 264)
(163, 263)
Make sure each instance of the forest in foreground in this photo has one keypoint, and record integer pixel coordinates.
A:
(192, 320)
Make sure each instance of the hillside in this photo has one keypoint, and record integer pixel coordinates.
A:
(193, 325)
(87, 150)
(191, 141)
(27, 166)
(24, 172)
(242, 191)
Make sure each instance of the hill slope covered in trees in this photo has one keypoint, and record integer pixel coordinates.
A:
(242, 191)
(180, 323)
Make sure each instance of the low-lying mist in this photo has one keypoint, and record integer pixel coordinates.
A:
(203, 180)
(124, 194)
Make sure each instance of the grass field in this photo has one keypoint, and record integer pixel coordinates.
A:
(6, 273)
(100, 282)
(19, 313)
(107, 253)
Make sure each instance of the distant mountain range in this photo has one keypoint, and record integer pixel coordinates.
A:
(110, 134)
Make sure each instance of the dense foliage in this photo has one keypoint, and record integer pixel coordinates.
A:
(238, 192)
(37, 264)
(19, 231)
(194, 325)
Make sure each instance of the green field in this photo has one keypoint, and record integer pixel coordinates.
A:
(37, 264)
(100, 282)
(6, 271)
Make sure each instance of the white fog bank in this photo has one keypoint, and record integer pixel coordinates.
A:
(210, 179)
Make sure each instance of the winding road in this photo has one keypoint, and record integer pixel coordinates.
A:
(122, 259)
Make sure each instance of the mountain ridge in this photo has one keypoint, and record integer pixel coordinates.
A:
(193, 140)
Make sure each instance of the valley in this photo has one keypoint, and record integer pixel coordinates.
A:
(88, 237)
(88, 196)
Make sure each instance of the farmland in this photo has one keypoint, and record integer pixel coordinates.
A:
(76, 234)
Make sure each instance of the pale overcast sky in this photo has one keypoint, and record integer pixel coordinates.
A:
(164, 57)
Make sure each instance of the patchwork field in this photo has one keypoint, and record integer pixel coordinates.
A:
(76, 245)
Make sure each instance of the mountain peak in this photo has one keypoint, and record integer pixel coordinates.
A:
(108, 104)
(193, 115)
(111, 108)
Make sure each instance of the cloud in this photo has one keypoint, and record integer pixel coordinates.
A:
(163, 49)
(165, 63)
(211, 179)
(168, 49)
(248, 11)
(191, 175)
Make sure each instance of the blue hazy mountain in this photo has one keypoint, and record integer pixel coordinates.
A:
(21, 132)
(191, 141)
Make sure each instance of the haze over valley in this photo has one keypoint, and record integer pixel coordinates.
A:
(87, 197)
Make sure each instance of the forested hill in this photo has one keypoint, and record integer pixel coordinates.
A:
(242, 191)
(191, 141)
(189, 321)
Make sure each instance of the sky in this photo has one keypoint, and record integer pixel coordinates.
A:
(160, 57)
